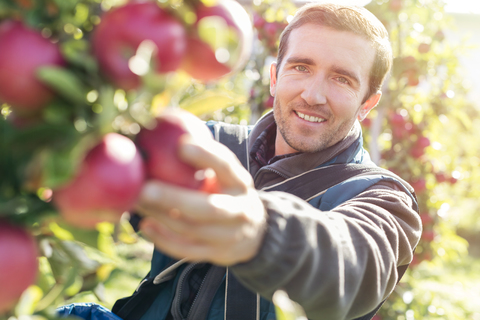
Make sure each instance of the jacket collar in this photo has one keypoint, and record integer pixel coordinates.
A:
(350, 149)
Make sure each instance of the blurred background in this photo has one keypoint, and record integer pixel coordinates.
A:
(424, 129)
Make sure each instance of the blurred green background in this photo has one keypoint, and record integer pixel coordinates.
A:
(424, 129)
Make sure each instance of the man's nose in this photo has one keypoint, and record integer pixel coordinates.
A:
(314, 91)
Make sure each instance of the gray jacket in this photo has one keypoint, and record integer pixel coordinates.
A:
(336, 255)
(337, 264)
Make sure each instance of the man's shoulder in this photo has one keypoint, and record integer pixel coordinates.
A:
(361, 178)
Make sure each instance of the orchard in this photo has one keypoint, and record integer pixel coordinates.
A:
(83, 84)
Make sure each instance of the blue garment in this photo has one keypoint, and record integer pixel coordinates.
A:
(87, 311)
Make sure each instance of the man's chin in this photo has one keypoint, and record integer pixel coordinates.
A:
(300, 146)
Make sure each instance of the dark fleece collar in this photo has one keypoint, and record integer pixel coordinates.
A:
(301, 162)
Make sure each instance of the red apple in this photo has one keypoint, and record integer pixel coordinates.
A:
(18, 267)
(258, 21)
(271, 28)
(423, 142)
(395, 5)
(417, 151)
(23, 120)
(107, 184)
(439, 35)
(409, 61)
(428, 235)
(366, 123)
(423, 48)
(427, 219)
(415, 261)
(121, 31)
(452, 180)
(269, 102)
(413, 78)
(205, 62)
(440, 176)
(210, 68)
(22, 52)
(27, 4)
(399, 132)
(160, 148)
(397, 120)
(419, 185)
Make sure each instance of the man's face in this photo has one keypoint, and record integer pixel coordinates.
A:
(321, 85)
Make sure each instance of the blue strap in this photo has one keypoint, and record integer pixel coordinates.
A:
(241, 303)
(235, 138)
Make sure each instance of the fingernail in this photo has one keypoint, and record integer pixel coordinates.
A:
(151, 192)
(189, 150)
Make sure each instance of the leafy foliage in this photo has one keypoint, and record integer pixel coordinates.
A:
(423, 130)
(415, 132)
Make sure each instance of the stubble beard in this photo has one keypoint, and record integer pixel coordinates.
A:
(306, 141)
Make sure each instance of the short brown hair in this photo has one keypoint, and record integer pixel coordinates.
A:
(357, 20)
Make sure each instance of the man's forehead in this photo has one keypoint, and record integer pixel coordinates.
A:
(315, 41)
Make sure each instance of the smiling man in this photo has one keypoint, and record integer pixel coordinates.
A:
(311, 214)
(320, 87)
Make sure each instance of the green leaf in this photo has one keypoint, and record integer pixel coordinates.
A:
(286, 309)
(86, 236)
(79, 257)
(463, 118)
(28, 300)
(211, 100)
(44, 134)
(61, 165)
(58, 168)
(64, 82)
(45, 279)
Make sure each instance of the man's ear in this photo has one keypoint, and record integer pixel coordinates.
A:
(273, 78)
(369, 105)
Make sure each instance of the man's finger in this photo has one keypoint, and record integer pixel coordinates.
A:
(174, 244)
(195, 206)
(206, 233)
(230, 172)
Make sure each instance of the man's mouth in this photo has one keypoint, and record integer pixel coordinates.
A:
(309, 118)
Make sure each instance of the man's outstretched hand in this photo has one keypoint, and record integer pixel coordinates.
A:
(224, 228)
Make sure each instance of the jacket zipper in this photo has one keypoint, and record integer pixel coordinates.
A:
(262, 171)
(177, 313)
(196, 296)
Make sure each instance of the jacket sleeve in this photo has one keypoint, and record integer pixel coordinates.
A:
(337, 264)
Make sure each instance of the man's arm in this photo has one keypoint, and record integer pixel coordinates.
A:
(223, 229)
(338, 264)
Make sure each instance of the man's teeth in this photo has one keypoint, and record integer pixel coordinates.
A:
(309, 118)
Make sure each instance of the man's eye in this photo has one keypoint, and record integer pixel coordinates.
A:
(343, 80)
(301, 68)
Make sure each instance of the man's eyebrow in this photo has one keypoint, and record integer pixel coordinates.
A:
(295, 60)
(347, 73)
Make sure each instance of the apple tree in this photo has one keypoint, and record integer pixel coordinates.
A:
(422, 130)
(79, 81)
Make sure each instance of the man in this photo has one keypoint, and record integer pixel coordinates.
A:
(339, 255)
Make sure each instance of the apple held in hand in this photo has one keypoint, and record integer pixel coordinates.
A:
(160, 148)
(107, 184)
(221, 41)
(122, 30)
(18, 267)
(22, 52)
